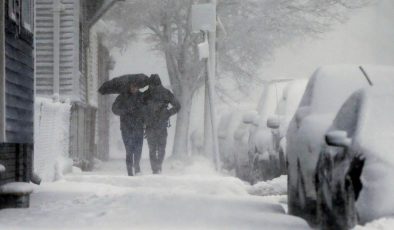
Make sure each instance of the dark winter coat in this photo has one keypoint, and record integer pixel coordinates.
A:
(157, 100)
(130, 108)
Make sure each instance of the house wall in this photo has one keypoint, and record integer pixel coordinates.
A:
(82, 135)
(93, 67)
(19, 84)
(17, 99)
(17, 159)
(104, 105)
(2, 74)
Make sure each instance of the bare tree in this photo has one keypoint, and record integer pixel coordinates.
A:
(254, 29)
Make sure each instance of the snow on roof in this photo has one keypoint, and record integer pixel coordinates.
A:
(330, 86)
(268, 102)
(18, 188)
(376, 123)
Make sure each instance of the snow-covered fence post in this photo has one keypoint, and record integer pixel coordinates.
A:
(204, 19)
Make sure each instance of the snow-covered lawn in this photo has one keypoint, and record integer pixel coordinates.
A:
(182, 198)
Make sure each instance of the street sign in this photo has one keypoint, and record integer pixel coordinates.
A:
(204, 17)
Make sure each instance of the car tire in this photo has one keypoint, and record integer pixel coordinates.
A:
(297, 193)
(254, 171)
(350, 207)
(336, 208)
(282, 162)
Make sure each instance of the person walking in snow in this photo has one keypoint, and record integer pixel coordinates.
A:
(157, 100)
(130, 107)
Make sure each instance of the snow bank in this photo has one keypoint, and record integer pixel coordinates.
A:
(2, 168)
(276, 186)
(19, 188)
(380, 224)
(51, 134)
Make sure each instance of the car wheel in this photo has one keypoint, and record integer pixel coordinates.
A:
(326, 217)
(350, 204)
(306, 205)
(295, 194)
(301, 188)
(335, 202)
(255, 171)
(282, 161)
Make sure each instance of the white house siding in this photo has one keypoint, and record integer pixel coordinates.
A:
(57, 48)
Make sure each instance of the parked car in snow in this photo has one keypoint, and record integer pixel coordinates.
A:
(242, 161)
(263, 161)
(355, 169)
(229, 123)
(279, 122)
(326, 91)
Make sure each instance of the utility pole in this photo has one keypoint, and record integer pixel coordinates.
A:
(211, 138)
(204, 20)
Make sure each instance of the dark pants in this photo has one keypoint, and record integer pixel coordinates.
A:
(133, 139)
(157, 140)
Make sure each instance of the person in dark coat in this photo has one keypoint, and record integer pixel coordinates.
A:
(157, 100)
(130, 107)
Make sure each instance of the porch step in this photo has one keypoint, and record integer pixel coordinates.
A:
(15, 195)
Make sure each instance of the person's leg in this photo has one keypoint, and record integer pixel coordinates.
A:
(152, 149)
(138, 138)
(127, 140)
(161, 148)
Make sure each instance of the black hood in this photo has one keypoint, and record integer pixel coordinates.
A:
(154, 80)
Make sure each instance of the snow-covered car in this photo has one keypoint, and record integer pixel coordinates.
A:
(326, 91)
(240, 148)
(263, 161)
(229, 123)
(355, 170)
(279, 122)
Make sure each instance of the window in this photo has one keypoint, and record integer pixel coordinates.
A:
(27, 14)
(21, 12)
(14, 10)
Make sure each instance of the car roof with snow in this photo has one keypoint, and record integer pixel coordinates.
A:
(291, 97)
(272, 93)
(329, 86)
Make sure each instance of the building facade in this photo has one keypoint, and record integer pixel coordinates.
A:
(16, 97)
(64, 67)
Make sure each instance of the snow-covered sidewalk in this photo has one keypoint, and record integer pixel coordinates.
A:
(178, 199)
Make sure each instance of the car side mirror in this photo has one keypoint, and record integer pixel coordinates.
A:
(250, 118)
(273, 122)
(338, 138)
